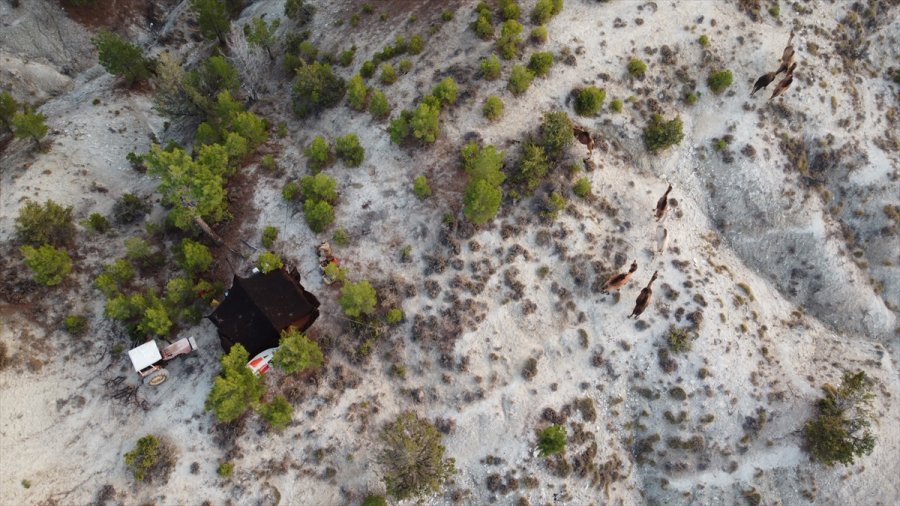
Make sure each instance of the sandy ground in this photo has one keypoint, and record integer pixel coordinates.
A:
(818, 306)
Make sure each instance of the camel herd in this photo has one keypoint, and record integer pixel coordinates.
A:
(583, 136)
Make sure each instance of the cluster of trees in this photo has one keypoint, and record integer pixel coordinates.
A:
(423, 123)
(157, 309)
(508, 13)
(361, 97)
(238, 389)
(25, 123)
(413, 46)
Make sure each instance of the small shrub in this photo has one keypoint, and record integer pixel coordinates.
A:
(399, 129)
(539, 34)
(416, 45)
(8, 108)
(225, 469)
(483, 26)
(357, 93)
(394, 316)
(375, 500)
(588, 101)
(493, 108)
(269, 234)
(97, 222)
(556, 133)
(368, 69)
(540, 63)
(317, 88)
(130, 208)
(278, 412)
(447, 16)
(542, 12)
(660, 134)
(555, 204)
(290, 191)
(446, 91)
(269, 261)
(340, 238)
(552, 440)
(345, 59)
(378, 105)
(357, 299)
(637, 68)
(319, 187)
(236, 389)
(533, 166)
(508, 9)
(774, 11)
(349, 150)
(49, 265)
(75, 325)
(405, 66)
(334, 272)
(481, 201)
(47, 224)
(490, 68)
(582, 188)
(840, 430)
(519, 80)
(267, 163)
(318, 154)
(388, 74)
(703, 40)
(510, 39)
(146, 458)
(319, 215)
(30, 125)
(679, 339)
(424, 122)
(421, 188)
(691, 98)
(616, 105)
(719, 81)
(121, 58)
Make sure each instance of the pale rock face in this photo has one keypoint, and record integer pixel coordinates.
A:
(789, 271)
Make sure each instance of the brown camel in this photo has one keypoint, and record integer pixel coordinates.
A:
(763, 81)
(583, 136)
(643, 299)
(662, 204)
(615, 283)
(785, 83)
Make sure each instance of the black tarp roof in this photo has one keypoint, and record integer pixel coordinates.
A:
(256, 309)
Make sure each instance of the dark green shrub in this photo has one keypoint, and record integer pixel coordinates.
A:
(703, 40)
(49, 265)
(148, 458)
(340, 238)
(490, 67)
(290, 191)
(493, 108)
(556, 133)
(540, 63)
(719, 81)
(416, 44)
(269, 261)
(225, 469)
(588, 101)
(375, 500)
(8, 108)
(121, 58)
(519, 80)
(317, 89)
(405, 66)
(691, 98)
(318, 154)
(345, 59)
(368, 69)
(637, 68)
(213, 18)
(399, 128)
(616, 105)
(278, 412)
(508, 9)
(544, 10)
(582, 188)
(412, 457)
(840, 430)
(421, 188)
(510, 39)
(660, 134)
(296, 352)
(533, 166)
(268, 163)
(552, 440)
(358, 299)
(349, 150)
(447, 16)
(679, 339)
(319, 215)
(484, 27)
(378, 105)
(483, 163)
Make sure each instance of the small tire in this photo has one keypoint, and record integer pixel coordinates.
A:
(158, 378)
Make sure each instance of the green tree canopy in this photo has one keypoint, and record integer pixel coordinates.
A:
(316, 89)
(49, 265)
(194, 188)
(840, 430)
(30, 125)
(278, 412)
(348, 149)
(659, 134)
(412, 457)
(481, 201)
(358, 298)
(296, 352)
(213, 17)
(8, 107)
(236, 389)
(122, 58)
(50, 223)
(425, 124)
(319, 187)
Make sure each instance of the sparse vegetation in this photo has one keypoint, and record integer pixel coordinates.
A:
(660, 134)
(49, 223)
(148, 458)
(552, 440)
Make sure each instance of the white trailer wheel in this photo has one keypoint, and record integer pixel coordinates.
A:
(158, 378)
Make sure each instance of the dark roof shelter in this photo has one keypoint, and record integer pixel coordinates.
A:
(256, 309)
